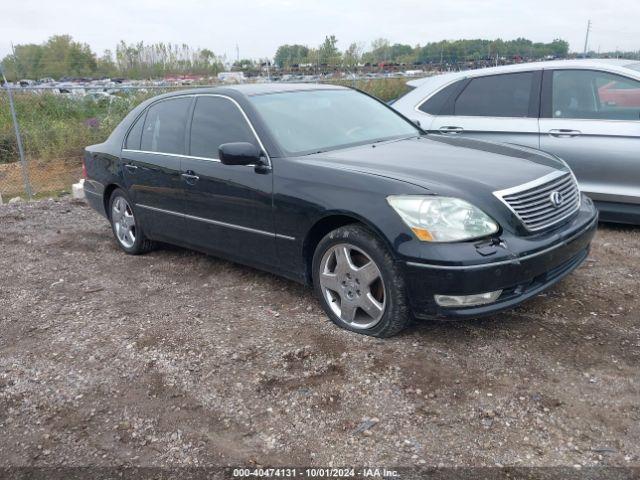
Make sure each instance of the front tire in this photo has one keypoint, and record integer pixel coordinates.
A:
(358, 284)
(125, 227)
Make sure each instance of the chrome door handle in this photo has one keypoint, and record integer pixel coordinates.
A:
(130, 167)
(450, 129)
(190, 177)
(564, 133)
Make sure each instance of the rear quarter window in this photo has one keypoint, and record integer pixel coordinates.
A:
(135, 134)
(438, 103)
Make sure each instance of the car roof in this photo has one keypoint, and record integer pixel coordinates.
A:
(250, 89)
(262, 88)
(598, 63)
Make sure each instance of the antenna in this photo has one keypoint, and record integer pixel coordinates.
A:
(586, 39)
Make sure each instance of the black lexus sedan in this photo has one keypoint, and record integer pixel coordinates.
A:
(328, 186)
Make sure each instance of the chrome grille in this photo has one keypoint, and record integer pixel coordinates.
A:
(532, 202)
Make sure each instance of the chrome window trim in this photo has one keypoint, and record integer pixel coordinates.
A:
(567, 119)
(500, 194)
(216, 222)
(196, 95)
(514, 261)
(171, 155)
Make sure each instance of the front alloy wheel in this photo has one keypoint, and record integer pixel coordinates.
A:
(352, 286)
(358, 283)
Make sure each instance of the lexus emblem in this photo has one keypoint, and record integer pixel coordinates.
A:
(556, 199)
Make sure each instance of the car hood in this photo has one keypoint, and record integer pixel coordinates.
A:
(444, 164)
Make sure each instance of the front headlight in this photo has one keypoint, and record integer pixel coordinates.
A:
(442, 219)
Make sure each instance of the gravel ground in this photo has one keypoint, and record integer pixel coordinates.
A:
(179, 359)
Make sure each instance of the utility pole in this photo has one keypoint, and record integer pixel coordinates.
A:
(237, 53)
(586, 39)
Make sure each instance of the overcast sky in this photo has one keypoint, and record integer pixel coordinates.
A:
(260, 26)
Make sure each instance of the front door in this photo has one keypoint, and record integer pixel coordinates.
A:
(591, 119)
(228, 208)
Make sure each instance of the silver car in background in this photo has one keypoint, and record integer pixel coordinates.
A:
(586, 112)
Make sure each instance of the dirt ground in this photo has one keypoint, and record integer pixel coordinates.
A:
(44, 176)
(179, 359)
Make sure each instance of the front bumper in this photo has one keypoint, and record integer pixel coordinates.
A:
(519, 276)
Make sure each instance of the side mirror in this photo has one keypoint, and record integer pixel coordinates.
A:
(239, 153)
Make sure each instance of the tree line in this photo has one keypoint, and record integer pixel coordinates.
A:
(62, 57)
(445, 51)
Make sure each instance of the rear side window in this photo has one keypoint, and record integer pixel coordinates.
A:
(436, 104)
(505, 95)
(217, 120)
(135, 134)
(164, 126)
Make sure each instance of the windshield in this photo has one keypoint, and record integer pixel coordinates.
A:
(318, 120)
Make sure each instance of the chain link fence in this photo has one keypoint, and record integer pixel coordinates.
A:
(43, 130)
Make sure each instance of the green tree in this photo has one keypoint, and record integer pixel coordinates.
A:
(352, 55)
(106, 65)
(60, 56)
(288, 55)
(328, 51)
(244, 64)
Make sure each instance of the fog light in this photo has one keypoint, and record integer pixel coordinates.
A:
(467, 300)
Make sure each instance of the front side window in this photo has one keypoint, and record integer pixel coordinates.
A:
(505, 95)
(164, 126)
(589, 94)
(311, 121)
(217, 120)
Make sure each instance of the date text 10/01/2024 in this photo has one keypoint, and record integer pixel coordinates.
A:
(315, 472)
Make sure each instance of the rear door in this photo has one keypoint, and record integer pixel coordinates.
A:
(591, 119)
(501, 108)
(151, 161)
(228, 207)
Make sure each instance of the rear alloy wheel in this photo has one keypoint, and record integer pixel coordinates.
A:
(126, 229)
(124, 223)
(358, 283)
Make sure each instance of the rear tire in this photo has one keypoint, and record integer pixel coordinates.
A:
(127, 230)
(358, 284)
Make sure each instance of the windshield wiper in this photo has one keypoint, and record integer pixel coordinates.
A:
(392, 139)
